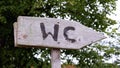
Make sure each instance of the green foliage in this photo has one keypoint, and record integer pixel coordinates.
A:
(91, 57)
(114, 34)
(91, 13)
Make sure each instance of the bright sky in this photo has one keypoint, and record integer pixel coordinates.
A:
(117, 12)
(116, 17)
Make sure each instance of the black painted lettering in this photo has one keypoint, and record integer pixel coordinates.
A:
(65, 33)
(44, 34)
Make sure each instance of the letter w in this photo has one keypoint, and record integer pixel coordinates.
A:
(44, 34)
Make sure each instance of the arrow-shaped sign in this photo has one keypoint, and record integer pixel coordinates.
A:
(53, 33)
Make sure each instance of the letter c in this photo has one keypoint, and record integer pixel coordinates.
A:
(65, 33)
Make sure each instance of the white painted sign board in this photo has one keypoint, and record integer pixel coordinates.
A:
(53, 33)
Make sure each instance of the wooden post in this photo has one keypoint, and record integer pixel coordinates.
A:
(55, 58)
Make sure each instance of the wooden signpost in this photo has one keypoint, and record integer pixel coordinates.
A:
(53, 33)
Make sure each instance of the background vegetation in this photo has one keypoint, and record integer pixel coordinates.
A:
(91, 13)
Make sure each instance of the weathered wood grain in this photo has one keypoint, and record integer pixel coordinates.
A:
(53, 33)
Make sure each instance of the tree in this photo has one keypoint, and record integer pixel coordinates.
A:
(91, 13)
(114, 35)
